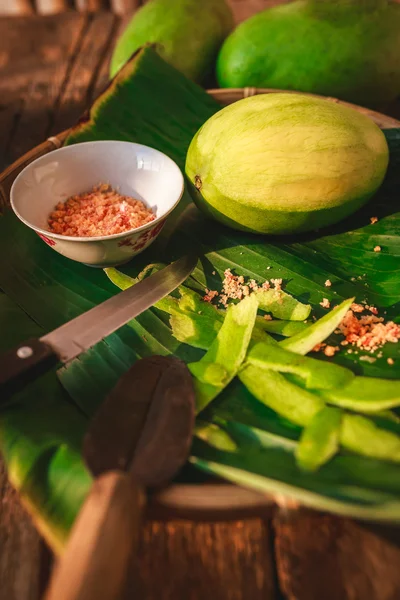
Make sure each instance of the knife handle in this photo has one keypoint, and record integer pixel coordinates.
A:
(22, 364)
(95, 562)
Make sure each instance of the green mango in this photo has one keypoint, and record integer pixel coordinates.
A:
(189, 34)
(285, 163)
(349, 49)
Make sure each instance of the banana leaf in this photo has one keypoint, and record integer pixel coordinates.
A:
(41, 432)
(41, 436)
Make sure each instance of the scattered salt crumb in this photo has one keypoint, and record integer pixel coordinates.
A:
(209, 295)
(235, 287)
(331, 350)
(253, 284)
(369, 359)
(328, 283)
(374, 220)
(268, 317)
(319, 347)
(357, 308)
(390, 361)
(368, 332)
(223, 299)
(377, 249)
(325, 303)
(277, 283)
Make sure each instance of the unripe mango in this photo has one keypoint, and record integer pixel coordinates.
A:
(283, 163)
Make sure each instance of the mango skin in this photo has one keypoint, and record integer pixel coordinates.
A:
(348, 50)
(189, 34)
(285, 163)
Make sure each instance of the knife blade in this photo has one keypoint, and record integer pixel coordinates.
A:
(33, 357)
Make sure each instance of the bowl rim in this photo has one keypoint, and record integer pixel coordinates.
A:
(98, 238)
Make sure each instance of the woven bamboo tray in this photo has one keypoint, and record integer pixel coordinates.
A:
(51, 7)
(216, 501)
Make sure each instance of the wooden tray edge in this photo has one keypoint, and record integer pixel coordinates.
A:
(229, 95)
(206, 502)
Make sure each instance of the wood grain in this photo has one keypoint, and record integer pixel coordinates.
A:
(125, 7)
(242, 9)
(208, 561)
(23, 557)
(16, 7)
(50, 69)
(322, 556)
(51, 7)
(89, 5)
(79, 87)
(37, 57)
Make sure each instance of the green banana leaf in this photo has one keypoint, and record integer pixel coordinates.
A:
(41, 431)
(41, 437)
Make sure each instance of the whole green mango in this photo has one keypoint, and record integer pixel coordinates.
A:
(349, 49)
(285, 163)
(189, 32)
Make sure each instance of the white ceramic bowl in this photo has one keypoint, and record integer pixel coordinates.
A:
(134, 170)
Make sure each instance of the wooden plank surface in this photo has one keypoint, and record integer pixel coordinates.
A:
(24, 560)
(37, 56)
(205, 561)
(325, 557)
(81, 84)
(50, 68)
(50, 7)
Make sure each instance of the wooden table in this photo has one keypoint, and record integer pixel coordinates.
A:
(50, 69)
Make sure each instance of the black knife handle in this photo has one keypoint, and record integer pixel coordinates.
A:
(22, 364)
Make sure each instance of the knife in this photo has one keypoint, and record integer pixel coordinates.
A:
(139, 438)
(35, 356)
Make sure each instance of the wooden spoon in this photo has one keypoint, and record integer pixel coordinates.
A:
(139, 438)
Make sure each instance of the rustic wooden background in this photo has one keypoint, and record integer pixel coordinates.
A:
(120, 7)
(53, 62)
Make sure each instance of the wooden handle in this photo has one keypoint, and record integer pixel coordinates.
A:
(103, 537)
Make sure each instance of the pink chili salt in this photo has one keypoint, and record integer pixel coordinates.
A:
(102, 211)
